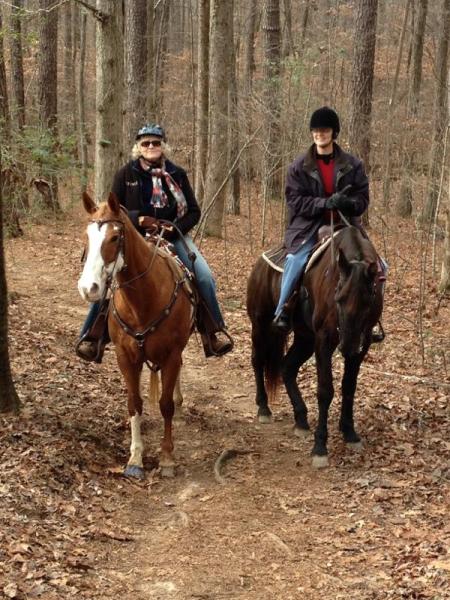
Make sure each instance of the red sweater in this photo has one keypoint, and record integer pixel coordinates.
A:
(327, 174)
(326, 170)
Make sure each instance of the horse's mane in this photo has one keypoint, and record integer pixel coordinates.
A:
(355, 246)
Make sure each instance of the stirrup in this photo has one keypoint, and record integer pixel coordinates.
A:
(98, 356)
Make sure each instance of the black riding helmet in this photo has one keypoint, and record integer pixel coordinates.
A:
(325, 117)
(151, 129)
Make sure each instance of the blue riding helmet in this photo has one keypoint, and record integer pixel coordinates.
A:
(151, 129)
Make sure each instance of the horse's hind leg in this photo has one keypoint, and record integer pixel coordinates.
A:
(258, 358)
(298, 353)
(169, 375)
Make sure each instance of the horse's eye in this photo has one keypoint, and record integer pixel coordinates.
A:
(114, 239)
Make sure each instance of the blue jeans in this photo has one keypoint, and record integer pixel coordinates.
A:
(205, 279)
(205, 282)
(293, 269)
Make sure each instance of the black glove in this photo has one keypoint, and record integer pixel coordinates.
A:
(342, 203)
(334, 200)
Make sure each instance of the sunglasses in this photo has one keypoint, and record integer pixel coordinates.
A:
(154, 143)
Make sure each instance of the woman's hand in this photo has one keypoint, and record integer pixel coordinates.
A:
(148, 222)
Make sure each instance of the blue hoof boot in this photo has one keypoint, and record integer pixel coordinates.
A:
(134, 471)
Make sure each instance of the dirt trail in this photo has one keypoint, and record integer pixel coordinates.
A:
(373, 525)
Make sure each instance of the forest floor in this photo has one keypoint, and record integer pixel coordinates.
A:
(373, 525)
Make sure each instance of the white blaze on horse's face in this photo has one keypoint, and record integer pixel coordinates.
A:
(91, 284)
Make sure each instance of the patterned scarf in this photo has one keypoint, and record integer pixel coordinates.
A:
(159, 197)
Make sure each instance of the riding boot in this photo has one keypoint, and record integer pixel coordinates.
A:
(282, 322)
(214, 345)
(91, 345)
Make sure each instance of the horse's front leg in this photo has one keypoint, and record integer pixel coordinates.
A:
(169, 376)
(325, 393)
(352, 365)
(132, 374)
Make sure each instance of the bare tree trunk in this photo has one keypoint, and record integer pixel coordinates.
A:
(201, 142)
(68, 93)
(136, 70)
(162, 14)
(81, 103)
(234, 185)
(304, 26)
(361, 83)
(5, 120)
(249, 49)
(388, 137)
(150, 63)
(108, 156)
(440, 112)
(17, 85)
(47, 86)
(271, 70)
(288, 40)
(218, 87)
(444, 284)
(9, 400)
(405, 199)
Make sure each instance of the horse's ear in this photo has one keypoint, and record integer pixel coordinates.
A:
(344, 266)
(113, 203)
(89, 205)
(372, 270)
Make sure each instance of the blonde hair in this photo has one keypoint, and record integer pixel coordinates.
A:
(136, 151)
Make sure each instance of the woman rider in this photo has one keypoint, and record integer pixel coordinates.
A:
(151, 187)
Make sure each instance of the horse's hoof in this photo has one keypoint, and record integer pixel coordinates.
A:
(355, 446)
(264, 419)
(134, 471)
(168, 471)
(320, 462)
(302, 433)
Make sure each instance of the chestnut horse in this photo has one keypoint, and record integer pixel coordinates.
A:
(151, 316)
(340, 304)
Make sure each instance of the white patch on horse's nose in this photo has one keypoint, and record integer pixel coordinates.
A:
(92, 280)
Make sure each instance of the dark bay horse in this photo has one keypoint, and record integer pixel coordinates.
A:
(151, 316)
(344, 302)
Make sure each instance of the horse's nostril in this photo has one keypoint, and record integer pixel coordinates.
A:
(94, 288)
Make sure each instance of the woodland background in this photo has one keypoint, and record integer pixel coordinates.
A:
(234, 84)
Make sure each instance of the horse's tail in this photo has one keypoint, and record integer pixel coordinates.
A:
(268, 345)
(154, 392)
(274, 349)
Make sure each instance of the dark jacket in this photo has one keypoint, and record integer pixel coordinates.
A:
(133, 186)
(306, 198)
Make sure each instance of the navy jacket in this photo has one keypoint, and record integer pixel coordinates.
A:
(133, 186)
(306, 198)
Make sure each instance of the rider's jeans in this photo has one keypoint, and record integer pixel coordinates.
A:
(293, 268)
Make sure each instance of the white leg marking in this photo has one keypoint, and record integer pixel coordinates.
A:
(177, 395)
(137, 447)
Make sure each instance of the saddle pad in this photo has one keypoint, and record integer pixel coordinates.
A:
(319, 250)
(275, 258)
